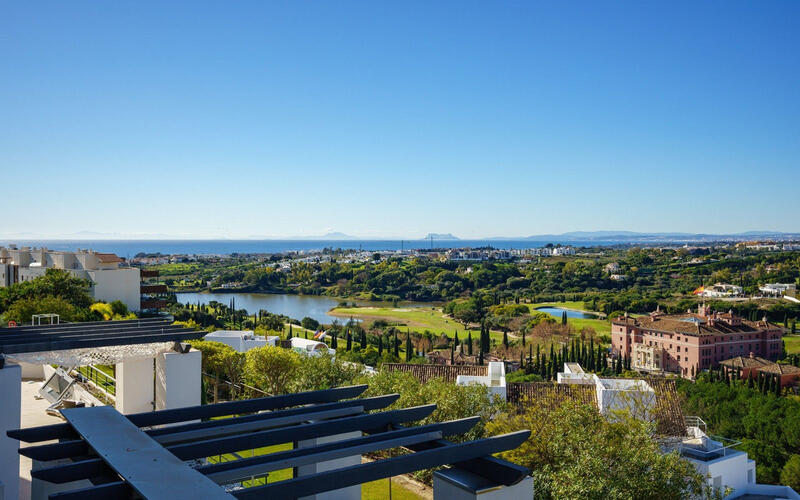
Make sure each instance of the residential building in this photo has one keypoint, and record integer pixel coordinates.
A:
(241, 340)
(557, 251)
(778, 289)
(719, 290)
(750, 366)
(110, 277)
(310, 347)
(612, 267)
(692, 342)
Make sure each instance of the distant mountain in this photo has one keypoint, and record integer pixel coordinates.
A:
(633, 236)
(440, 236)
(328, 236)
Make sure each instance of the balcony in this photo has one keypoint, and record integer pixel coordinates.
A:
(153, 303)
(153, 288)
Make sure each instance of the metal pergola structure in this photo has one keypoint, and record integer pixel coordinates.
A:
(162, 454)
(65, 336)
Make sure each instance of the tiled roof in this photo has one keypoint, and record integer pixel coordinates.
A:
(746, 362)
(427, 372)
(693, 324)
(108, 258)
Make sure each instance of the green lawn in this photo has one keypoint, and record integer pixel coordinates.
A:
(419, 319)
(278, 475)
(416, 319)
(379, 490)
(792, 343)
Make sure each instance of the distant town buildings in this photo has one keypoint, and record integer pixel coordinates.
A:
(111, 278)
(690, 342)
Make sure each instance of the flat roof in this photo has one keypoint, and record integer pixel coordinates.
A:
(65, 336)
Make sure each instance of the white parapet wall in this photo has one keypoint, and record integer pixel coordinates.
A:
(135, 386)
(10, 410)
(348, 493)
(495, 379)
(178, 379)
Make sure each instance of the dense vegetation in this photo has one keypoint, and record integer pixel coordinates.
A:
(767, 424)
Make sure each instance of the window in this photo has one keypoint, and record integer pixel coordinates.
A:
(750, 476)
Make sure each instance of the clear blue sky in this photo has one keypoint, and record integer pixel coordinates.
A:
(375, 119)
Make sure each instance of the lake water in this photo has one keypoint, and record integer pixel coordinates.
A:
(558, 311)
(294, 306)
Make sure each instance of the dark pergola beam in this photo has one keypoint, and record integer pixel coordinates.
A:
(372, 421)
(269, 403)
(84, 325)
(85, 469)
(27, 338)
(380, 469)
(273, 461)
(104, 341)
(106, 491)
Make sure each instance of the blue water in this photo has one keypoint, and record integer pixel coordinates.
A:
(129, 248)
(557, 312)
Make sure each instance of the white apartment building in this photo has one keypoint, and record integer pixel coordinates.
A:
(110, 277)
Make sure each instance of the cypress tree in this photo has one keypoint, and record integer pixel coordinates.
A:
(363, 339)
(564, 318)
(334, 341)
(523, 338)
(505, 339)
(794, 327)
(452, 355)
(530, 354)
(480, 357)
(777, 386)
(380, 345)
(289, 335)
(349, 341)
(409, 352)
(469, 343)
(455, 340)
(396, 346)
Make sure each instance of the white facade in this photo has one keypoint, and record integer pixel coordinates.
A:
(777, 288)
(722, 290)
(311, 347)
(111, 279)
(241, 340)
(726, 467)
(495, 379)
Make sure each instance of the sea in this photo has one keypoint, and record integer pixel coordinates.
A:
(129, 248)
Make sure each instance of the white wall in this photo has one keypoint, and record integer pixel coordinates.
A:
(135, 386)
(117, 284)
(178, 379)
(10, 409)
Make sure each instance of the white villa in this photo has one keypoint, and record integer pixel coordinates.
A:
(242, 340)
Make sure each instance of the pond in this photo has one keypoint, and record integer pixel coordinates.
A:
(558, 311)
(293, 306)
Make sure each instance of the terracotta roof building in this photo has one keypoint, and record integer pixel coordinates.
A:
(690, 342)
(752, 365)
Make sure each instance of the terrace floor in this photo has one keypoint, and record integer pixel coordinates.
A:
(32, 414)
